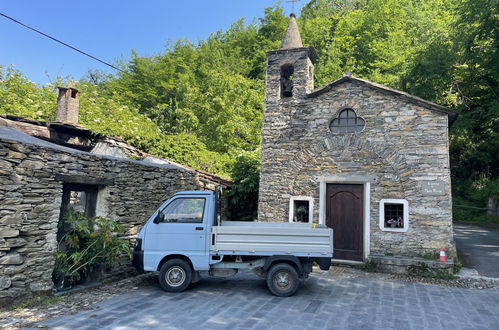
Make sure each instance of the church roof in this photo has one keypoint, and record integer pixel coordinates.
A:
(292, 41)
(408, 97)
(292, 37)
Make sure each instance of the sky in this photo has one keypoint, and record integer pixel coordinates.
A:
(109, 30)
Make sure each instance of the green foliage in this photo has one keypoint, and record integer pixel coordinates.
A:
(375, 39)
(184, 91)
(186, 149)
(370, 266)
(243, 195)
(457, 266)
(475, 136)
(422, 269)
(87, 243)
(23, 98)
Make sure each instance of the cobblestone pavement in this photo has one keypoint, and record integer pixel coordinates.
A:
(323, 302)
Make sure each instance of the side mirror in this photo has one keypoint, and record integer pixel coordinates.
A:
(159, 218)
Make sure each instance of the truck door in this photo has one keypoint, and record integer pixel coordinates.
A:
(181, 230)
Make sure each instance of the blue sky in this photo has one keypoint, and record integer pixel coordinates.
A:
(109, 30)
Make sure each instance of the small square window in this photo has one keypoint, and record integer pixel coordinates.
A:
(81, 198)
(300, 209)
(394, 215)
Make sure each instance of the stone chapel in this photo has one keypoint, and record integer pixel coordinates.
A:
(367, 160)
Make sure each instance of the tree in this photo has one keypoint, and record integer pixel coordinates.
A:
(475, 137)
(23, 98)
(243, 195)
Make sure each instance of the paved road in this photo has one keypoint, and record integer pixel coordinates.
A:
(478, 248)
(324, 302)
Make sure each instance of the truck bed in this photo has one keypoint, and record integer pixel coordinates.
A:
(271, 238)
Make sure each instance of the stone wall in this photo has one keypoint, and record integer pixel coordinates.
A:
(402, 150)
(32, 173)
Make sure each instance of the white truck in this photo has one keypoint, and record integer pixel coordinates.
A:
(185, 239)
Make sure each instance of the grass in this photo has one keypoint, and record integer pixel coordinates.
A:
(431, 255)
(457, 266)
(370, 266)
(421, 269)
(38, 301)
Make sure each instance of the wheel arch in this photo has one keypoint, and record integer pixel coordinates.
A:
(291, 260)
(174, 256)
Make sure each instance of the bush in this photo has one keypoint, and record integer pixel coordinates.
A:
(87, 244)
(243, 194)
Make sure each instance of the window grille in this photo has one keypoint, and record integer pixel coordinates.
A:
(394, 215)
(346, 122)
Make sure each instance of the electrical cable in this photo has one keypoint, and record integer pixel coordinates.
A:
(61, 42)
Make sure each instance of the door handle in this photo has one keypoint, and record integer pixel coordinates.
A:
(199, 228)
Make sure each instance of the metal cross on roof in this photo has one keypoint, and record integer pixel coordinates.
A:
(293, 4)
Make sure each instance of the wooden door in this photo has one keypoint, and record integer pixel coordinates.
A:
(344, 213)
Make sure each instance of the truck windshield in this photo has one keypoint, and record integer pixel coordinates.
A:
(184, 210)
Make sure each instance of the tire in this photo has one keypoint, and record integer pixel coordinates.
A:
(283, 280)
(175, 275)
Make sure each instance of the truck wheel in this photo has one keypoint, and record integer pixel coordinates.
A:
(175, 275)
(283, 280)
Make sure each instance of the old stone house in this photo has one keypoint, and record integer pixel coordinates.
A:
(47, 167)
(367, 160)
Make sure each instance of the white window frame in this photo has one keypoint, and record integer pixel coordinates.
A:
(310, 201)
(382, 203)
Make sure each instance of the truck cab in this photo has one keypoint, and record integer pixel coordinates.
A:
(185, 239)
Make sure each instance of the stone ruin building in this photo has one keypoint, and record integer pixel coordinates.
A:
(367, 160)
(47, 167)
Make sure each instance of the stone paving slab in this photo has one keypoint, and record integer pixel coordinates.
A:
(323, 302)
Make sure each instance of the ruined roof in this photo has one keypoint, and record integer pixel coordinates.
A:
(292, 37)
(406, 96)
(42, 134)
(12, 134)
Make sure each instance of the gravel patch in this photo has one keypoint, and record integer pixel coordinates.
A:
(465, 281)
(73, 303)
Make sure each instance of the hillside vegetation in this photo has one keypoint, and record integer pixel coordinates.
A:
(201, 104)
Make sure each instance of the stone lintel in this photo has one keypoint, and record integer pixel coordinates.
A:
(347, 178)
(82, 179)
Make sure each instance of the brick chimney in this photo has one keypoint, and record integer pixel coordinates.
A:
(68, 104)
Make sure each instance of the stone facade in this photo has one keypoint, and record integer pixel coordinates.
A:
(32, 175)
(401, 153)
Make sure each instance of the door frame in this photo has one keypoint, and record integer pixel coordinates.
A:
(365, 181)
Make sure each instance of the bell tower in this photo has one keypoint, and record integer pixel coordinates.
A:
(289, 78)
(290, 69)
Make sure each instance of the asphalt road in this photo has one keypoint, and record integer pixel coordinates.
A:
(324, 302)
(478, 248)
